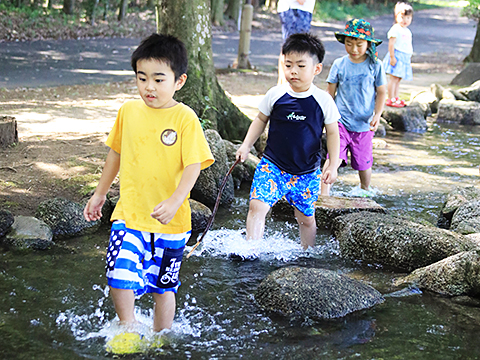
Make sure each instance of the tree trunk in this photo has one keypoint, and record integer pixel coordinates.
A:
(122, 10)
(217, 12)
(189, 20)
(68, 6)
(474, 55)
(233, 10)
(8, 131)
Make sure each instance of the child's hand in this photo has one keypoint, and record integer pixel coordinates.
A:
(165, 211)
(242, 153)
(329, 175)
(374, 123)
(93, 209)
(393, 61)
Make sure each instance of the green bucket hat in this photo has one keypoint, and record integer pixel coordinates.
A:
(361, 29)
(358, 28)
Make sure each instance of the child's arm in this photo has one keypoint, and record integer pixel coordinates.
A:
(391, 50)
(379, 103)
(332, 89)
(329, 174)
(254, 131)
(166, 210)
(93, 209)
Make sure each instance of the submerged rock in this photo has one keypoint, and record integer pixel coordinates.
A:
(395, 242)
(29, 233)
(65, 218)
(454, 276)
(314, 293)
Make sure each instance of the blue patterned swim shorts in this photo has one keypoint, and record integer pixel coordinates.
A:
(142, 261)
(270, 184)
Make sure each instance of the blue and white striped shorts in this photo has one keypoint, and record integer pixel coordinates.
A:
(131, 266)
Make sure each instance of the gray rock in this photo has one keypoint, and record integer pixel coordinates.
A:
(200, 215)
(328, 208)
(243, 171)
(472, 92)
(455, 199)
(65, 218)
(437, 90)
(315, 293)
(466, 220)
(207, 187)
(395, 242)
(456, 275)
(409, 119)
(29, 233)
(459, 112)
(6, 222)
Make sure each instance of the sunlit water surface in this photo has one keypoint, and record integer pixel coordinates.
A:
(55, 304)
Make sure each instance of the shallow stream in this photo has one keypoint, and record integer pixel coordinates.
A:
(55, 304)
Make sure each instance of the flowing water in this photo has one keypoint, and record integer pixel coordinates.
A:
(55, 304)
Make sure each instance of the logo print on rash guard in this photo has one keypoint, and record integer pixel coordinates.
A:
(295, 117)
(168, 137)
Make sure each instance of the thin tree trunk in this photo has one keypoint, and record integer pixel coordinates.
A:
(217, 12)
(189, 20)
(474, 55)
(68, 6)
(122, 11)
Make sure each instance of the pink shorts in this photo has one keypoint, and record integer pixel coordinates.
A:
(360, 146)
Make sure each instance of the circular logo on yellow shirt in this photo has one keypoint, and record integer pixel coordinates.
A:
(169, 137)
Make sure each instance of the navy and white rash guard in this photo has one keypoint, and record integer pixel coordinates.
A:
(296, 124)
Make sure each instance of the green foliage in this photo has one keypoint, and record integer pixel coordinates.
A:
(472, 10)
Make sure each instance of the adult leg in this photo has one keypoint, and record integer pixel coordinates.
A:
(164, 310)
(365, 178)
(308, 228)
(281, 72)
(257, 212)
(124, 302)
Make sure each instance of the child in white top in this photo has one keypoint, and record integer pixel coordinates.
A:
(397, 61)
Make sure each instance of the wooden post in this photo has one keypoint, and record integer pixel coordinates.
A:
(8, 131)
(244, 41)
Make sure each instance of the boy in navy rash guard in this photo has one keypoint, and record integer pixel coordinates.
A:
(297, 111)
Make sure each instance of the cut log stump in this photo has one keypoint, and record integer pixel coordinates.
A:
(8, 131)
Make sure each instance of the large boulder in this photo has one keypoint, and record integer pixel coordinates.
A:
(466, 220)
(409, 119)
(468, 75)
(65, 218)
(29, 233)
(328, 208)
(395, 242)
(200, 215)
(459, 112)
(208, 184)
(455, 275)
(6, 222)
(456, 198)
(243, 171)
(315, 293)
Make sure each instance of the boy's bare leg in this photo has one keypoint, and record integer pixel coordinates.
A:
(308, 229)
(365, 177)
(256, 219)
(164, 310)
(124, 302)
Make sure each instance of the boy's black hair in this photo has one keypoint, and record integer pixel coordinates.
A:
(304, 43)
(165, 48)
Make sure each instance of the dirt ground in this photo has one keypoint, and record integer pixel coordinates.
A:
(62, 130)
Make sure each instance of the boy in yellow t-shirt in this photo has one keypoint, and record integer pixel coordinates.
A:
(159, 148)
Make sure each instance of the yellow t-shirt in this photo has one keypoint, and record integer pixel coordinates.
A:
(155, 146)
